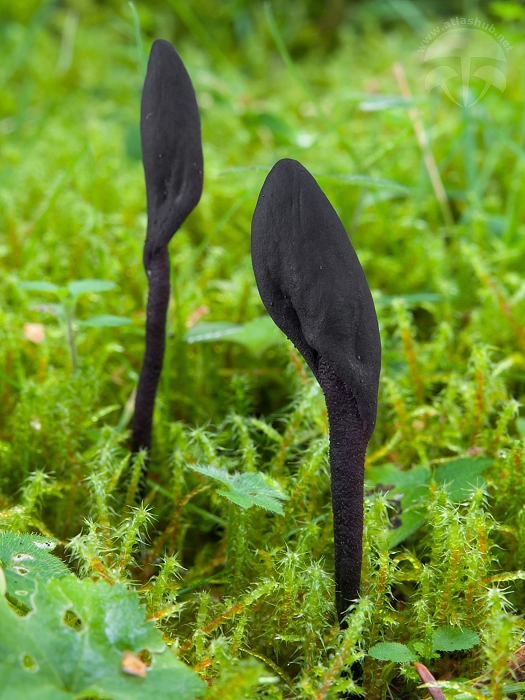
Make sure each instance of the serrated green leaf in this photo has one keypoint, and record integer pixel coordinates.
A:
(392, 651)
(39, 286)
(89, 285)
(246, 490)
(213, 472)
(72, 645)
(105, 321)
(25, 558)
(461, 476)
(454, 639)
(238, 498)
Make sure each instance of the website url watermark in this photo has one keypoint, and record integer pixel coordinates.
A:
(468, 56)
(466, 22)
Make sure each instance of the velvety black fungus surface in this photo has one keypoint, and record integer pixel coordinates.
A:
(314, 288)
(173, 167)
(171, 145)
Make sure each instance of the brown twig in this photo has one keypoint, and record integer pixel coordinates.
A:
(424, 144)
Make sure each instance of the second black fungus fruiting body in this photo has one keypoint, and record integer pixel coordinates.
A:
(314, 288)
(173, 168)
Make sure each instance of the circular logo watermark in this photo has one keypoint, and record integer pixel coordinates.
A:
(468, 56)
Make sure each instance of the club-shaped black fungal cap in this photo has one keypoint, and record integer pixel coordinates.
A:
(312, 283)
(171, 145)
(313, 286)
(173, 167)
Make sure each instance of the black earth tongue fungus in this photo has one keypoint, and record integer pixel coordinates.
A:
(314, 288)
(173, 166)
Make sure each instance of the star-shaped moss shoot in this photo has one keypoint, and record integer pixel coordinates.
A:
(314, 288)
(173, 167)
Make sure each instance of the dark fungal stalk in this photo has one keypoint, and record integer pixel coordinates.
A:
(314, 288)
(173, 168)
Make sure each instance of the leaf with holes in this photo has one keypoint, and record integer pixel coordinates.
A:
(77, 642)
(23, 559)
(246, 490)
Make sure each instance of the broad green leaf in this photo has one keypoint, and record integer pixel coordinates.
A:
(454, 639)
(209, 332)
(411, 521)
(258, 335)
(412, 483)
(73, 644)
(88, 285)
(105, 321)
(25, 558)
(39, 286)
(461, 476)
(392, 651)
(246, 490)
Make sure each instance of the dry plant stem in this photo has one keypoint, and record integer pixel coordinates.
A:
(348, 443)
(71, 340)
(158, 272)
(427, 677)
(422, 139)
